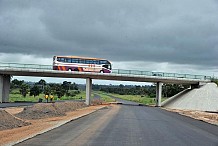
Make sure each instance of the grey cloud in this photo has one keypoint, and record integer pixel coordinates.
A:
(178, 32)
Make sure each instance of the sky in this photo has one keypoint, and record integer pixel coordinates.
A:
(150, 35)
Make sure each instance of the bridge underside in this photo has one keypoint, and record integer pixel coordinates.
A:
(5, 88)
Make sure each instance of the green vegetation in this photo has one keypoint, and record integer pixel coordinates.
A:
(105, 97)
(32, 92)
(148, 91)
(215, 80)
(76, 95)
(15, 96)
(146, 100)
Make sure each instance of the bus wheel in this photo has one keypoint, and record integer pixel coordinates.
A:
(76, 69)
(101, 71)
(69, 69)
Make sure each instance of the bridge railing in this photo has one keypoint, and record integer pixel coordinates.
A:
(25, 66)
(160, 74)
(114, 71)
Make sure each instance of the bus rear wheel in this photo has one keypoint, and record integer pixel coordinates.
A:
(101, 71)
(76, 69)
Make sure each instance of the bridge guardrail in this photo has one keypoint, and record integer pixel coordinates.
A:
(161, 74)
(114, 71)
(26, 66)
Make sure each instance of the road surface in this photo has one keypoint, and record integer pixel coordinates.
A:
(16, 104)
(124, 125)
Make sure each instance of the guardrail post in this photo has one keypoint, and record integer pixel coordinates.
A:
(4, 88)
(88, 90)
(158, 93)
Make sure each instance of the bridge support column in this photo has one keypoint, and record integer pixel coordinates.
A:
(4, 88)
(158, 93)
(88, 90)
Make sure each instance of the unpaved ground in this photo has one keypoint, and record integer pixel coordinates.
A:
(211, 118)
(47, 110)
(8, 121)
(38, 126)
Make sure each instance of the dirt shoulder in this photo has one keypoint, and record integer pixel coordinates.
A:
(211, 118)
(38, 126)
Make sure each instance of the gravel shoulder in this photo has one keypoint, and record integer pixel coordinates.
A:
(38, 126)
(211, 118)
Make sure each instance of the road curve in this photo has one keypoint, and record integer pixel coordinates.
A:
(124, 125)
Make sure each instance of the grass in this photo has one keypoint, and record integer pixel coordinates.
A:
(105, 97)
(146, 100)
(76, 97)
(16, 96)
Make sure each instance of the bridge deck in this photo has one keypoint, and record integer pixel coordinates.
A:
(101, 76)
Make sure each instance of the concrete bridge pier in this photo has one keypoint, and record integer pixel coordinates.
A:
(4, 88)
(88, 90)
(158, 93)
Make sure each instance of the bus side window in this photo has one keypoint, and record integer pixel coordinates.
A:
(68, 60)
(81, 61)
(95, 62)
(88, 62)
(75, 60)
(61, 59)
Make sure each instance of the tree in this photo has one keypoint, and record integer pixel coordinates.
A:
(16, 83)
(24, 89)
(34, 91)
(170, 90)
(74, 86)
(47, 90)
(42, 83)
(66, 85)
(59, 91)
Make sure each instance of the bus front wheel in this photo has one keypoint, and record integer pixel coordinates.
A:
(101, 71)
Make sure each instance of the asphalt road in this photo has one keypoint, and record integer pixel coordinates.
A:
(16, 104)
(125, 125)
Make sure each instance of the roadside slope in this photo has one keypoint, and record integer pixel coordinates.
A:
(204, 98)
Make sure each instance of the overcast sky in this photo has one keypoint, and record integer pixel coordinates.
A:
(155, 35)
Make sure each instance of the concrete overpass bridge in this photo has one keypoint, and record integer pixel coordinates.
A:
(13, 69)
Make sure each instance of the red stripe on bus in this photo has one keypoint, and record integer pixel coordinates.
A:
(59, 68)
(79, 68)
(63, 68)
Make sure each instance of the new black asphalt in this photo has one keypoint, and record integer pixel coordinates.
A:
(131, 126)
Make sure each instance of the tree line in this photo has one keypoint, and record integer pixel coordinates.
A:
(66, 89)
(168, 90)
(46, 88)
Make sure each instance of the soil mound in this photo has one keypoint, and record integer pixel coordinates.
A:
(47, 110)
(8, 121)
